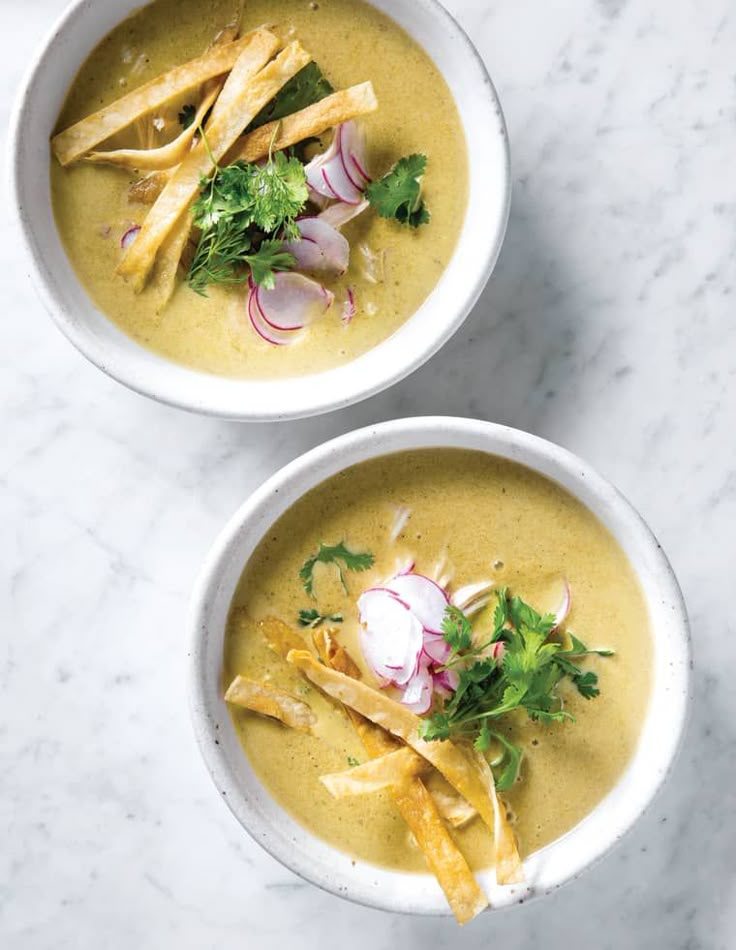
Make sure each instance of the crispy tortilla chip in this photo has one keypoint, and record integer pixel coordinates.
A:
(155, 159)
(333, 654)
(271, 701)
(72, 143)
(460, 770)
(396, 768)
(166, 266)
(315, 119)
(280, 637)
(454, 809)
(242, 96)
(509, 869)
(415, 804)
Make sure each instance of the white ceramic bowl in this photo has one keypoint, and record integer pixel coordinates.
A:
(70, 42)
(315, 860)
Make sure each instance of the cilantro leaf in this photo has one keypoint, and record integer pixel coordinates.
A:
(456, 629)
(399, 193)
(303, 89)
(339, 555)
(313, 618)
(269, 258)
(186, 116)
(239, 212)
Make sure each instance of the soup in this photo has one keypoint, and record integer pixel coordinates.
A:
(372, 274)
(472, 525)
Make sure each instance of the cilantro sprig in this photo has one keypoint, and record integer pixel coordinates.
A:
(186, 116)
(313, 618)
(399, 194)
(244, 212)
(303, 89)
(527, 678)
(339, 555)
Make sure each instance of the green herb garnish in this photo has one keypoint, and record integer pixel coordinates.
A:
(313, 618)
(239, 211)
(527, 678)
(303, 89)
(399, 194)
(186, 116)
(339, 555)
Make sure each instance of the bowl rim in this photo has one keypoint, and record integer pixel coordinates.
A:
(609, 821)
(271, 399)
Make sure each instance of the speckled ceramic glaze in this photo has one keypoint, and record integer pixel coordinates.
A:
(81, 28)
(335, 871)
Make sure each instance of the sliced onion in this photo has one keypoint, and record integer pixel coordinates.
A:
(417, 695)
(391, 636)
(339, 213)
(130, 235)
(321, 247)
(401, 516)
(294, 303)
(427, 600)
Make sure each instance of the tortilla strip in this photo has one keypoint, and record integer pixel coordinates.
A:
(509, 869)
(453, 807)
(243, 95)
(155, 159)
(375, 775)
(415, 804)
(271, 701)
(166, 266)
(315, 119)
(79, 138)
(458, 768)
(280, 637)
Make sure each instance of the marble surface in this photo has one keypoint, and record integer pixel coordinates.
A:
(608, 326)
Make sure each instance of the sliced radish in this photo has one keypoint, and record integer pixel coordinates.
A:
(336, 174)
(563, 609)
(348, 308)
(401, 516)
(130, 235)
(473, 597)
(352, 147)
(391, 636)
(295, 302)
(339, 213)
(261, 327)
(436, 648)
(320, 248)
(446, 681)
(426, 598)
(417, 695)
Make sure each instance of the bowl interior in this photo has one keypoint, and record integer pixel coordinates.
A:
(296, 847)
(71, 41)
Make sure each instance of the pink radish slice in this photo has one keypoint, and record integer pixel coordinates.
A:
(417, 695)
(565, 604)
(351, 169)
(391, 636)
(327, 176)
(473, 597)
(295, 302)
(352, 143)
(321, 246)
(339, 213)
(426, 598)
(348, 308)
(130, 235)
(436, 648)
(264, 331)
(446, 681)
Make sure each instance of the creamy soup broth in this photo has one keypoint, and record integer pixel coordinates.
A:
(495, 519)
(352, 42)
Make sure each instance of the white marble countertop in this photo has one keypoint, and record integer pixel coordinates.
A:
(609, 326)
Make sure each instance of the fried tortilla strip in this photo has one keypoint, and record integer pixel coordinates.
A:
(315, 119)
(386, 771)
(459, 769)
(271, 701)
(243, 95)
(166, 265)
(280, 637)
(415, 804)
(72, 143)
(453, 807)
(509, 869)
(155, 159)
